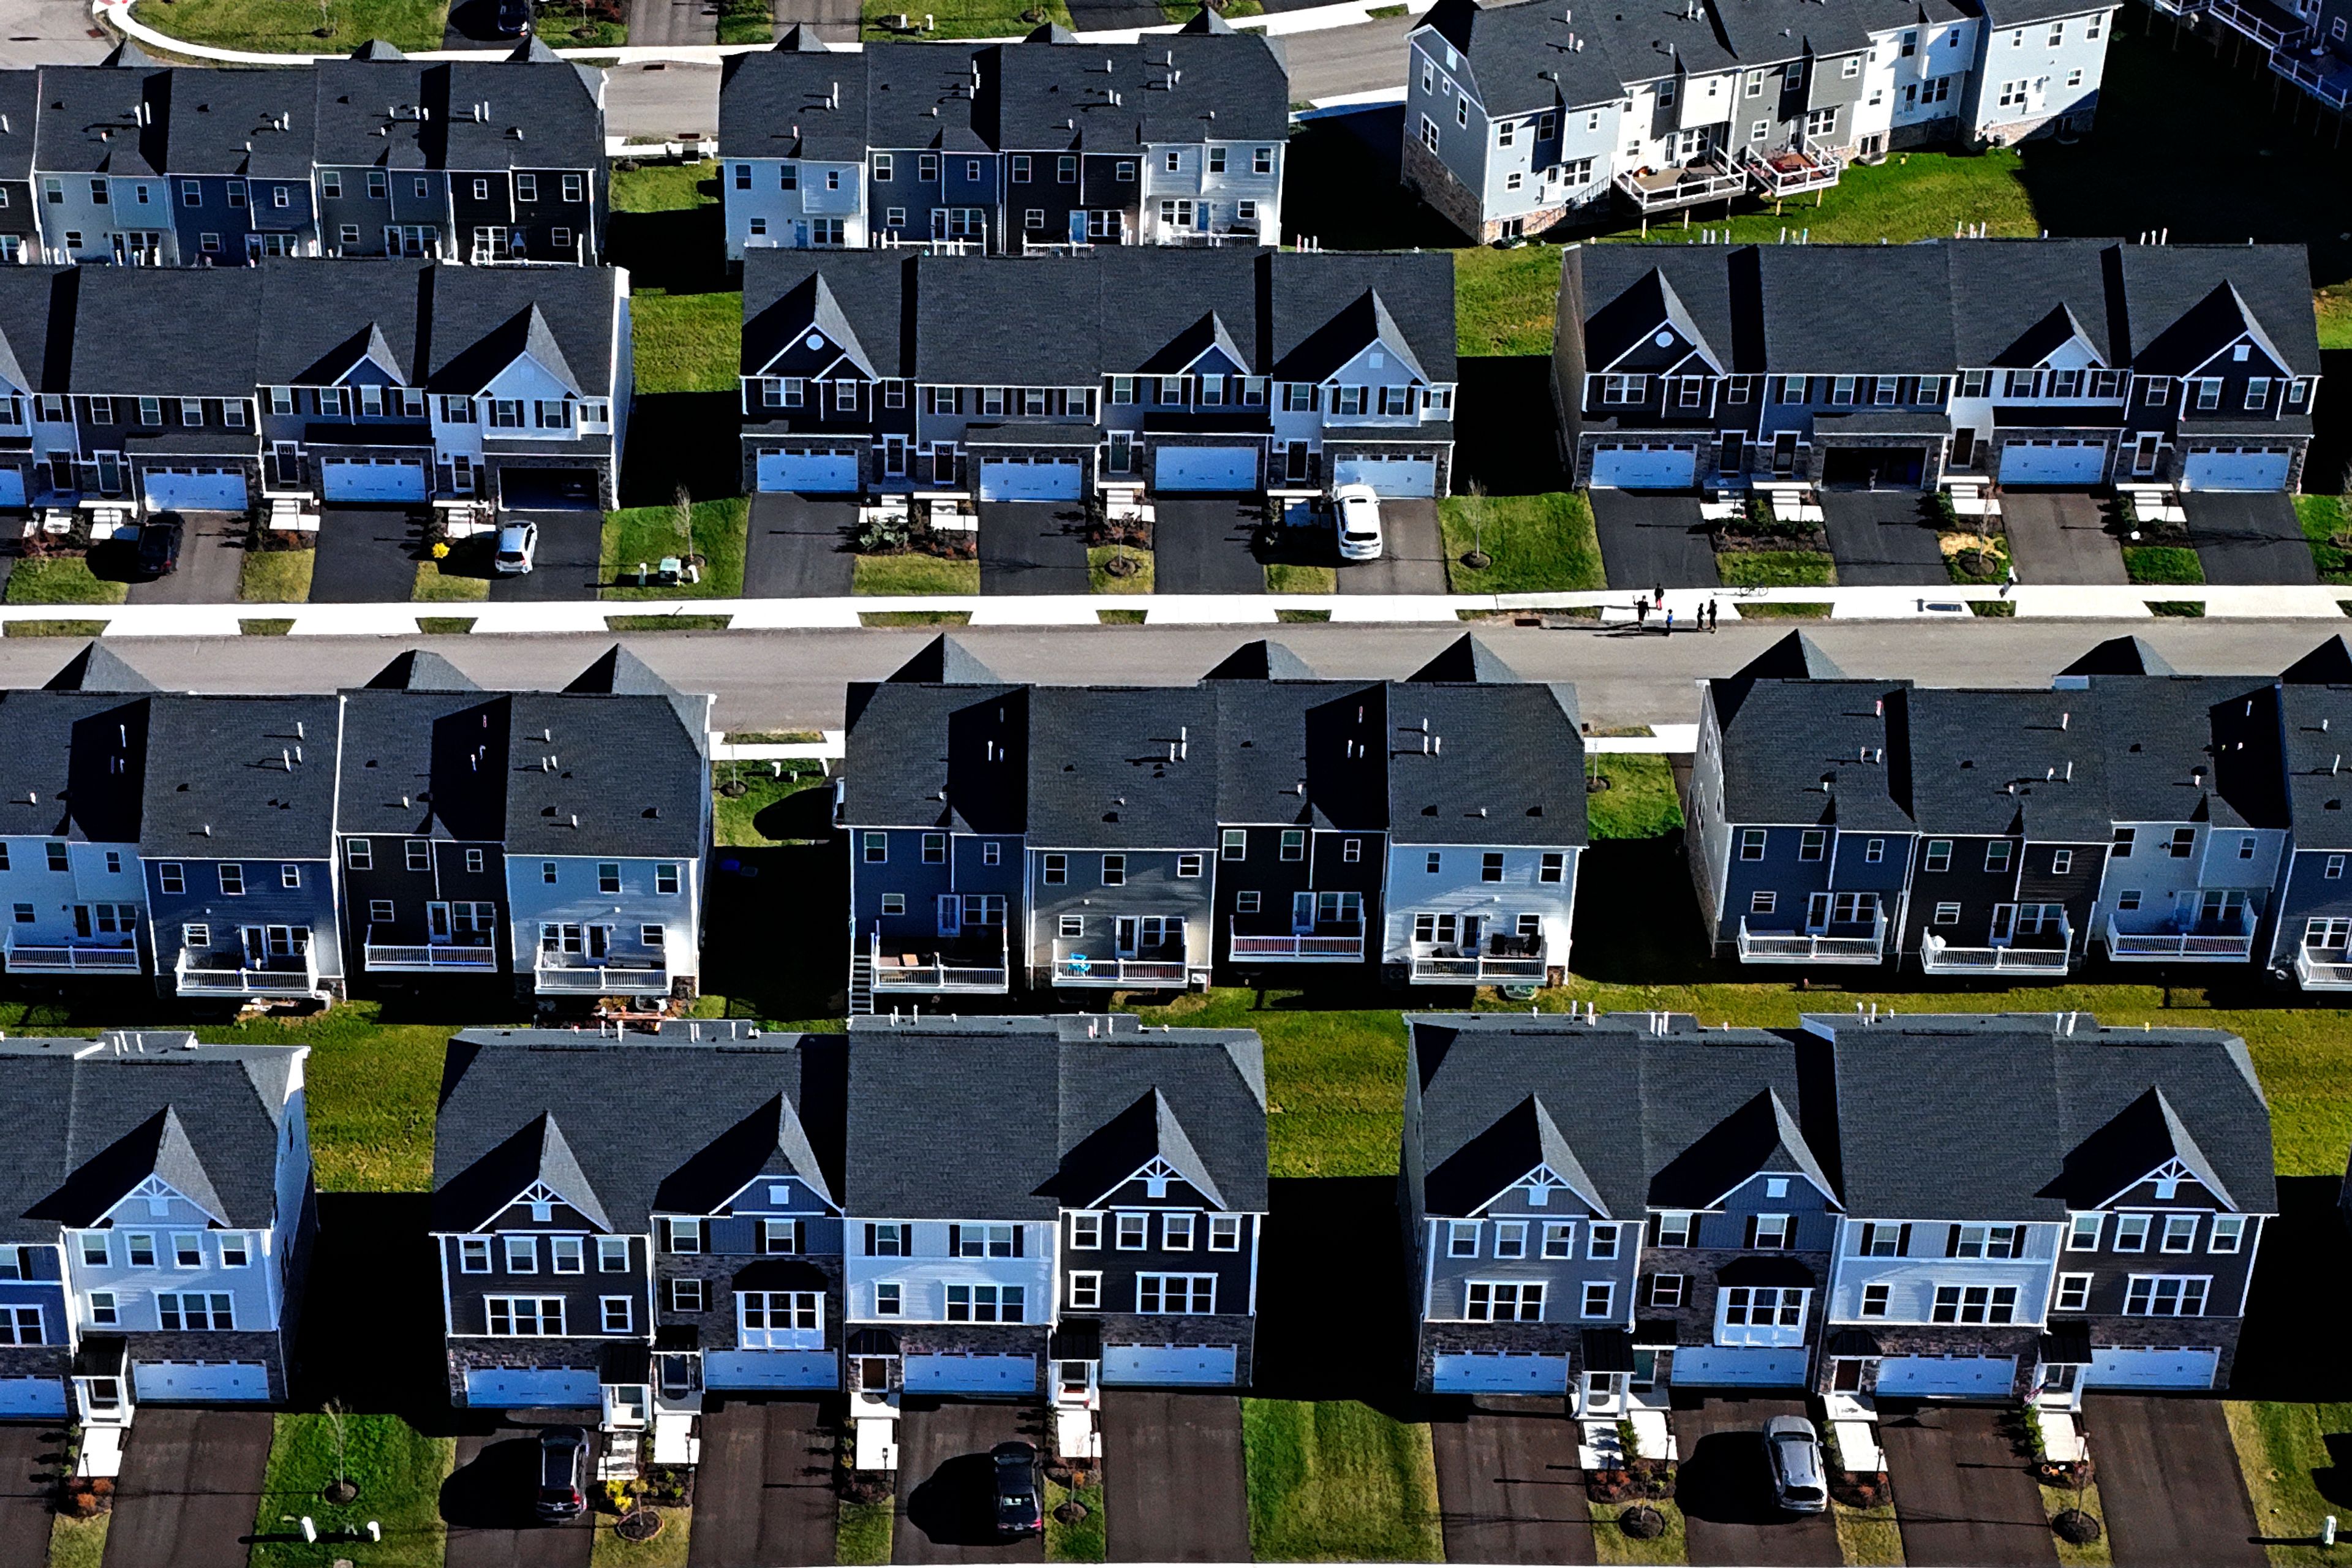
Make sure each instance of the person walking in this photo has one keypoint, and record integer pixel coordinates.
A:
(1710, 616)
(1658, 597)
(1641, 612)
(1670, 620)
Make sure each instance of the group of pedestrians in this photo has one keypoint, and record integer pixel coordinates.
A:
(1706, 617)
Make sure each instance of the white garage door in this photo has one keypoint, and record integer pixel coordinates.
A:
(1950, 1377)
(169, 1380)
(2152, 1369)
(12, 487)
(518, 1387)
(2053, 462)
(771, 1369)
(1500, 1373)
(373, 478)
(1230, 469)
(971, 1374)
(195, 489)
(2236, 469)
(1403, 476)
(1031, 479)
(801, 468)
(1166, 1364)
(32, 1396)
(1739, 1366)
(1652, 467)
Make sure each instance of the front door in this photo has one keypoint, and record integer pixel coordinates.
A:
(1731, 453)
(1294, 462)
(894, 457)
(2004, 923)
(1963, 447)
(1845, 1375)
(1817, 912)
(1784, 453)
(872, 1373)
(2144, 455)
(110, 473)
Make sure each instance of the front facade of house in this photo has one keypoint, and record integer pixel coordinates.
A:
(2073, 363)
(161, 1221)
(1006, 149)
(69, 871)
(1216, 371)
(1521, 117)
(1263, 821)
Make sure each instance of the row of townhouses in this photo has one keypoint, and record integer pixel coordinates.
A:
(294, 382)
(1206, 370)
(1522, 115)
(2153, 816)
(140, 164)
(2063, 362)
(1007, 149)
(981, 1206)
(2011, 1207)
(420, 828)
(2307, 42)
(1007, 837)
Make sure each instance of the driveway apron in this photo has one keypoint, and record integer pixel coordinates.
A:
(2059, 536)
(947, 1494)
(1508, 1485)
(1725, 1486)
(2169, 1484)
(1172, 1474)
(1961, 1494)
(190, 1485)
(1652, 539)
(763, 1493)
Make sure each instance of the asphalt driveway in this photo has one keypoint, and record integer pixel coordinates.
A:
(486, 1501)
(365, 556)
(190, 1481)
(29, 1455)
(1653, 538)
(1725, 1486)
(1412, 553)
(212, 564)
(1882, 538)
(2248, 537)
(1033, 547)
(947, 1509)
(570, 563)
(1201, 544)
(2170, 1482)
(1173, 1463)
(798, 547)
(1508, 1486)
(2059, 536)
(763, 1493)
(1961, 1494)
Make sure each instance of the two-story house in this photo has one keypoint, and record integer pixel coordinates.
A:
(237, 150)
(2311, 940)
(1608, 1207)
(2098, 1231)
(156, 1220)
(1215, 371)
(1094, 1189)
(164, 416)
(20, 215)
(624, 1267)
(1045, 144)
(2058, 362)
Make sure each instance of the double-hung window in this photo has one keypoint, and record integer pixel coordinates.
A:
(1503, 1301)
(780, 1319)
(986, 1303)
(2165, 1296)
(525, 1317)
(1176, 1294)
(1975, 1304)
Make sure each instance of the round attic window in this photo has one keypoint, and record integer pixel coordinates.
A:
(1664, 340)
(816, 340)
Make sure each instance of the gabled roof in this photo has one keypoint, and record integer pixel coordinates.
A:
(158, 1147)
(1261, 658)
(1523, 1140)
(231, 777)
(1470, 660)
(1760, 1136)
(2329, 664)
(1795, 657)
(2143, 1137)
(74, 765)
(377, 49)
(98, 668)
(801, 39)
(770, 1141)
(420, 669)
(1111, 1154)
(2121, 656)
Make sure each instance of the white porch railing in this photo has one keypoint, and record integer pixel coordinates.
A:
(1432, 967)
(72, 958)
(429, 957)
(2331, 87)
(1685, 184)
(1298, 948)
(2255, 24)
(1802, 947)
(940, 974)
(1076, 965)
(1938, 956)
(571, 974)
(1790, 172)
(2175, 947)
(2323, 968)
(297, 976)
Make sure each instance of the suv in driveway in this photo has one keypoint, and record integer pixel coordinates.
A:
(1018, 1511)
(562, 1471)
(1799, 1478)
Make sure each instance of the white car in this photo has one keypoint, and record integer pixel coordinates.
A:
(1358, 511)
(518, 545)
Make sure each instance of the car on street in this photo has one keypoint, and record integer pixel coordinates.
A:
(517, 548)
(562, 1466)
(1018, 1511)
(1356, 508)
(158, 549)
(1799, 1478)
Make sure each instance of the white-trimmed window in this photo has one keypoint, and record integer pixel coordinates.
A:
(1505, 1301)
(2074, 1293)
(1751, 844)
(2131, 1232)
(2165, 1296)
(1461, 1239)
(1668, 1289)
(20, 1326)
(1987, 1241)
(681, 1235)
(780, 1319)
(1600, 1298)
(234, 1251)
(1176, 1232)
(1225, 1233)
(102, 1311)
(1511, 1238)
(525, 1317)
(2179, 1233)
(889, 1299)
(195, 1310)
(1132, 1231)
(566, 1255)
(1176, 1295)
(522, 1254)
(2228, 1234)
(1975, 1304)
(1086, 1291)
(1560, 1238)
(986, 1303)
(1874, 1298)
(1760, 1314)
(1601, 1241)
(1085, 1232)
(2083, 1232)
(473, 1255)
(614, 1314)
(612, 1254)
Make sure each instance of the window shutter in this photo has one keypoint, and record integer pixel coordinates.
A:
(1018, 1231)
(1751, 1232)
(955, 1241)
(1657, 1221)
(1903, 1245)
(800, 1237)
(870, 1230)
(1952, 1241)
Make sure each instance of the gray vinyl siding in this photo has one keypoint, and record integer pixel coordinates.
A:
(2308, 893)
(1463, 150)
(1234, 1272)
(399, 205)
(906, 873)
(265, 902)
(469, 1313)
(1564, 1279)
(1151, 888)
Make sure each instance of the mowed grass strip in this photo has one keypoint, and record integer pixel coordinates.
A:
(1336, 1480)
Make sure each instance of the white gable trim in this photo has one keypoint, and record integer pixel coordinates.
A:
(2173, 1172)
(153, 1187)
(1831, 1197)
(1543, 1178)
(1155, 1170)
(799, 1183)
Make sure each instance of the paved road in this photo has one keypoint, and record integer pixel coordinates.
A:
(665, 99)
(2169, 1483)
(797, 548)
(486, 1501)
(1882, 537)
(835, 21)
(1724, 1487)
(1508, 1487)
(2252, 538)
(763, 1493)
(2059, 536)
(212, 564)
(1412, 555)
(1340, 60)
(50, 33)
(673, 22)
(946, 1486)
(1961, 1493)
(1648, 540)
(1172, 1473)
(789, 680)
(190, 1481)
(28, 1462)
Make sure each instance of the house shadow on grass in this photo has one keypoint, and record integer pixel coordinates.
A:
(1342, 190)
(679, 250)
(769, 962)
(1321, 1230)
(370, 1333)
(2293, 1347)
(1507, 437)
(688, 438)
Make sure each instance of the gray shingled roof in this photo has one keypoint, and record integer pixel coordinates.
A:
(89, 1122)
(223, 780)
(1505, 764)
(1994, 763)
(73, 765)
(1099, 767)
(604, 774)
(1783, 738)
(2191, 747)
(936, 756)
(426, 765)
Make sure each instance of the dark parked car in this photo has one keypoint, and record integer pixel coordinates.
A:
(1018, 1511)
(1799, 1479)
(562, 1466)
(509, 18)
(159, 545)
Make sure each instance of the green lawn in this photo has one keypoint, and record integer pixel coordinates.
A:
(647, 534)
(894, 575)
(665, 187)
(963, 18)
(667, 1550)
(2099, 1554)
(2334, 317)
(276, 576)
(1776, 569)
(1538, 543)
(1868, 1538)
(1292, 577)
(444, 583)
(2163, 564)
(1336, 1079)
(686, 342)
(2323, 517)
(2282, 1450)
(1334, 1480)
(1083, 1542)
(746, 22)
(1611, 1544)
(1640, 802)
(398, 1470)
(1504, 301)
(371, 1092)
(1100, 580)
(736, 821)
(862, 1533)
(61, 580)
(292, 26)
(77, 1543)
